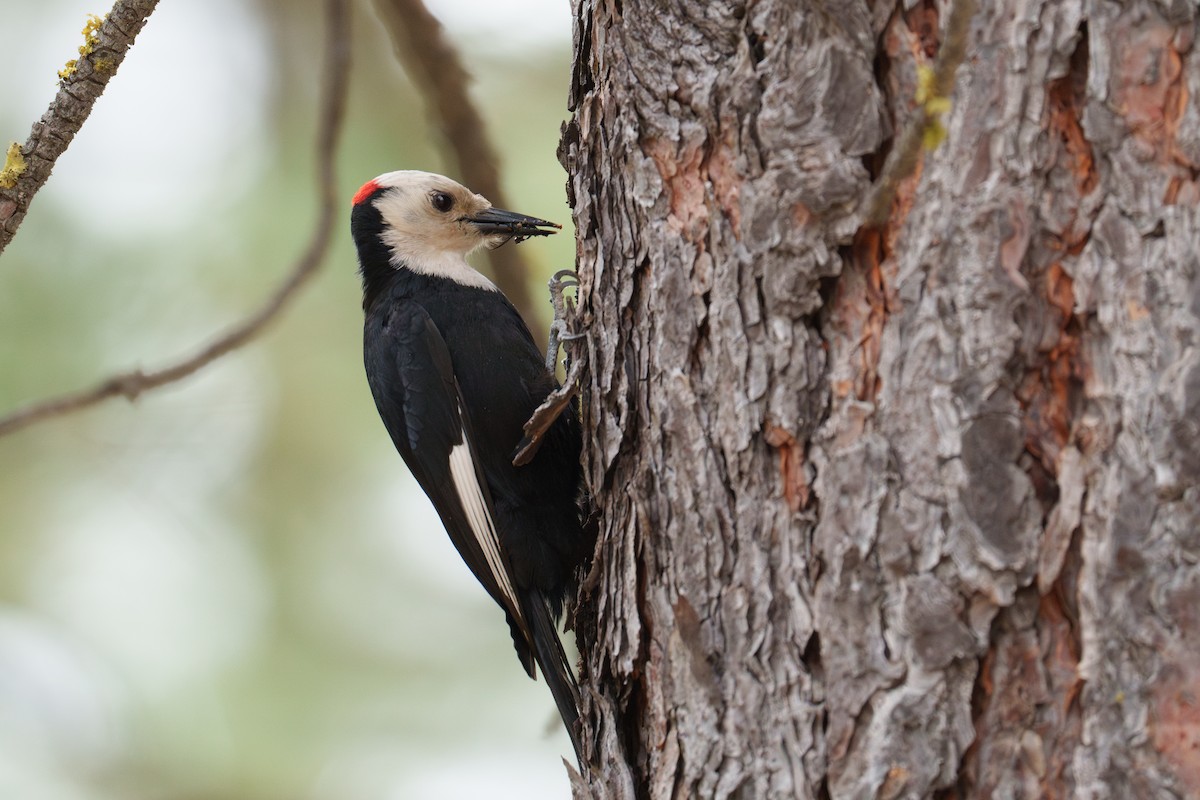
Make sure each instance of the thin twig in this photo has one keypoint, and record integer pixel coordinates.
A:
(131, 384)
(435, 69)
(903, 160)
(82, 83)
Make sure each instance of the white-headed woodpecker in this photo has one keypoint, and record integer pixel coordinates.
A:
(456, 374)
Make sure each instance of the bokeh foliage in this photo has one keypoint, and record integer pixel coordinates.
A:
(232, 589)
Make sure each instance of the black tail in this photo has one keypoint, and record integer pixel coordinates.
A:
(553, 660)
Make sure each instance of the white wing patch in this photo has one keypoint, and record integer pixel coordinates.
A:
(470, 495)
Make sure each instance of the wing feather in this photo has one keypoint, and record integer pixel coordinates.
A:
(412, 379)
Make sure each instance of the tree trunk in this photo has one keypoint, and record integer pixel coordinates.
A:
(893, 512)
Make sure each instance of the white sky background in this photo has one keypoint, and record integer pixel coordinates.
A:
(196, 150)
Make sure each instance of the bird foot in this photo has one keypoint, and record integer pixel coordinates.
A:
(545, 414)
(560, 398)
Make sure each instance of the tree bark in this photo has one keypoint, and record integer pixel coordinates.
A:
(906, 511)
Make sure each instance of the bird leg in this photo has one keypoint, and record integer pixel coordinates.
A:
(560, 398)
(564, 308)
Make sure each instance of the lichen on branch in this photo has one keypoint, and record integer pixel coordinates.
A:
(14, 165)
(934, 105)
(81, 82)
(924, 129)
(91, 38)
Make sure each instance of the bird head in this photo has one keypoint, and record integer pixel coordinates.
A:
(429, 223)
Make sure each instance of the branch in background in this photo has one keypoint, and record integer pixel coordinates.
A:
(83, 81)
(436, 70)
(921, 128)
(132, 384)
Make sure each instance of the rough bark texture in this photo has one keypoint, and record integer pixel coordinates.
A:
(895, 512)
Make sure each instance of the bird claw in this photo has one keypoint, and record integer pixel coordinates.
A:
(566, 277)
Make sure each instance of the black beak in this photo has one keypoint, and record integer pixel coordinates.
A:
(497, 221)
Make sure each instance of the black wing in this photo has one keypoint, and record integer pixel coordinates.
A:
(412, 378)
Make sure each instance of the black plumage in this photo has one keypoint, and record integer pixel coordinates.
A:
(455, 374)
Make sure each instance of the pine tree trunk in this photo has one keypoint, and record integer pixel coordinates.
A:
(894, 512)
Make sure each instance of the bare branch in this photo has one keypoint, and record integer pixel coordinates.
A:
(903, 159)
(131, 384)
(435, 68)
(82, 83)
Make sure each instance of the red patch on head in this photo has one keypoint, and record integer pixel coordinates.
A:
(366, 190)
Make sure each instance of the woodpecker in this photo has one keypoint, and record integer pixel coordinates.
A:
(455, 374)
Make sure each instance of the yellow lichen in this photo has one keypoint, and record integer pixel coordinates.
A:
(91, 35)
(935, 106)
(14, 165)
(91, 38)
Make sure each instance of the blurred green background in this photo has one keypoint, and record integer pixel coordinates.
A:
(233, 588)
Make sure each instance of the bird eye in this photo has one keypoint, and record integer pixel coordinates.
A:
(441, 201)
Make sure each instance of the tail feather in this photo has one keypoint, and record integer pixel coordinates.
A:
(553, 661)
(521, 645)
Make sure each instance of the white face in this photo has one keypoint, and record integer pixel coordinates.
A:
(425, 224)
